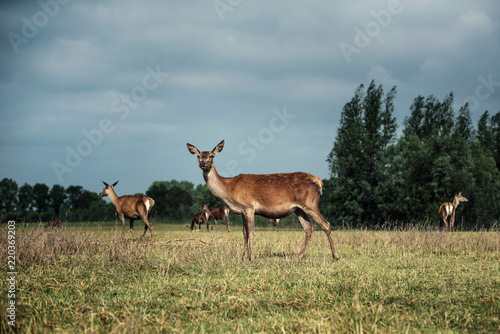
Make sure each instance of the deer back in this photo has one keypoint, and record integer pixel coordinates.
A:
(128, 204)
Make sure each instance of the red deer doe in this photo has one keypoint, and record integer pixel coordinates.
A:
(53, 223)
(199, 218)
(132, 207)
(221, 213)
(267, 195)
(448, 209)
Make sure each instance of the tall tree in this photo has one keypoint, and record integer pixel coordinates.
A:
(8, 194)
(57, 197)
(25, 198)
(357, 160)
(41, 197)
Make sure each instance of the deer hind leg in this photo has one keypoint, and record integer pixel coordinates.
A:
(445, 219)
(308, 229)
(143, 213)
(325, 226)
(131, 226)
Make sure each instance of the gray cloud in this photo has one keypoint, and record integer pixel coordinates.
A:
(70, 67)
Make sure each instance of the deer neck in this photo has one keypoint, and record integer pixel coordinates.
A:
(455, 202)
(215, 183)
(113, 197)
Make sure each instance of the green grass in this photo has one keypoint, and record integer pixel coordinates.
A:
(87, 278)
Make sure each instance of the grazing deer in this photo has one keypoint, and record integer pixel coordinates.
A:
(199, 218)
(132, 207)
(221, 213)
(275, 223)
(53, 223)
(448, 209)
(268, 195)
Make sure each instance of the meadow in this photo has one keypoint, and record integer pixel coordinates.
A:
(88, 278)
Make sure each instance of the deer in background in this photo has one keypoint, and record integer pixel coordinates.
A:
(448, 209)
(275, 223)
(53, 223)
(268, 195)
(199, 218)
(221, 213)
(132, 207)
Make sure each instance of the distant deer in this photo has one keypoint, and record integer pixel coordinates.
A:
(448, 209)
(53, 223)
(275, 223)
(132, 207)
(221, 213)
(199, 218)
(268, 195)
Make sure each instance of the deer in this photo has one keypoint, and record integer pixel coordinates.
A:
(132, 207)
(53, 223)
(199, 218)
(268, 195)
(448, 209)
(275, 223)
(221, 213)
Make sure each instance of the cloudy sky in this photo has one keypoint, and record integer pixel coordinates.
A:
(108, 90)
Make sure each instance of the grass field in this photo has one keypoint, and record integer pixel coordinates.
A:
(87, 278)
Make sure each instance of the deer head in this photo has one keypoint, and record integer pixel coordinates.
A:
(206, 159)
(107, 188)
(460, 198)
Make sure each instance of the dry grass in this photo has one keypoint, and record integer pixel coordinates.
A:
(90, 279)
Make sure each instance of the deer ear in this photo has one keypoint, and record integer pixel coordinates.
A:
(107, 185)
(193, 149)
(218, 148)
(114, 184)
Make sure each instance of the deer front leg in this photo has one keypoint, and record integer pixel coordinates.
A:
(227, 223)
(245, 236)
(122, 219)
(248, 229)
(250, 218)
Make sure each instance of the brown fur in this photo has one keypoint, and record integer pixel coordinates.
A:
(53, 223)
(268, 195)
(221, 213)
(199, 218)
(448, 209)
(132, 207)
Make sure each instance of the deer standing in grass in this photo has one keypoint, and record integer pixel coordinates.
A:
(268, 195)
(53, 223)
(199, 218)
(132, 207)
(221, 213)
(448, 209)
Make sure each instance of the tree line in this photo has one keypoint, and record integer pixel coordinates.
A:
(174, 200)
(377, 175)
